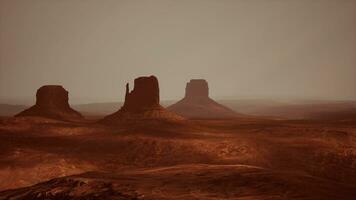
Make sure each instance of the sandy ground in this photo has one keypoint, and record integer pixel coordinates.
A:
(199, 159)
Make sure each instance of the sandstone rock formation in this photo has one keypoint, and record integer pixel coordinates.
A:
(197, 103)
(142, 104)
(197, 88)
(52, 102)
(145, 95)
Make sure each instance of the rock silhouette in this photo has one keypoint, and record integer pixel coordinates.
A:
(197, 103)
(197, 88)
(142, 104)
(52, 102)
(145, 95)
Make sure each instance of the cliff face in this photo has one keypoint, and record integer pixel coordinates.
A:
(52, 102)
(197, 88)
(52, 97)
(197, 103)
(145, 95)
(142, 104)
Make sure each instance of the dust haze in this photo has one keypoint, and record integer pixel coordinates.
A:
(245, 49)
(177, 100)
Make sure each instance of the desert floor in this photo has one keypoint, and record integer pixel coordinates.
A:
(197, 159)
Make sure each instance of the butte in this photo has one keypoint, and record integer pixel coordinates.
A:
(142, 105)
(52, 102)
(198, 105)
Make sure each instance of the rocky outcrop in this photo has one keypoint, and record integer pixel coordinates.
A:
(72, 188)
(197, 88)
(197, 103)
(52, 102)
(145, 95)
(189, 181)
(142, 104)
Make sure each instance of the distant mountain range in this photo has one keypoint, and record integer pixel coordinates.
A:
(294, 110)
(10, 110)
(265, 108)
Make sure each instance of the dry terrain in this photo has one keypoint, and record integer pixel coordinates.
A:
(243, 158)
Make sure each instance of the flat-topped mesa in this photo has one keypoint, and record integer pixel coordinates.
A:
(197, 103)
(145, 95)
(52, 96)
(197, 88)
(52, 102)
(142, 104)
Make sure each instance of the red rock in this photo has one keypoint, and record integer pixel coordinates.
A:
(198, 104)
(52, 102)
(145, 95)
(142, 104)
(197, 88)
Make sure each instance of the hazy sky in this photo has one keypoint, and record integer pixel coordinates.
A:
(245, 49)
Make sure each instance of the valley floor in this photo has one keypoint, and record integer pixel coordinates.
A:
(198, 159)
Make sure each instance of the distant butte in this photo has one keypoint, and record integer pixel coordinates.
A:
(198, 105)
(52, 102)
(142, 104)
